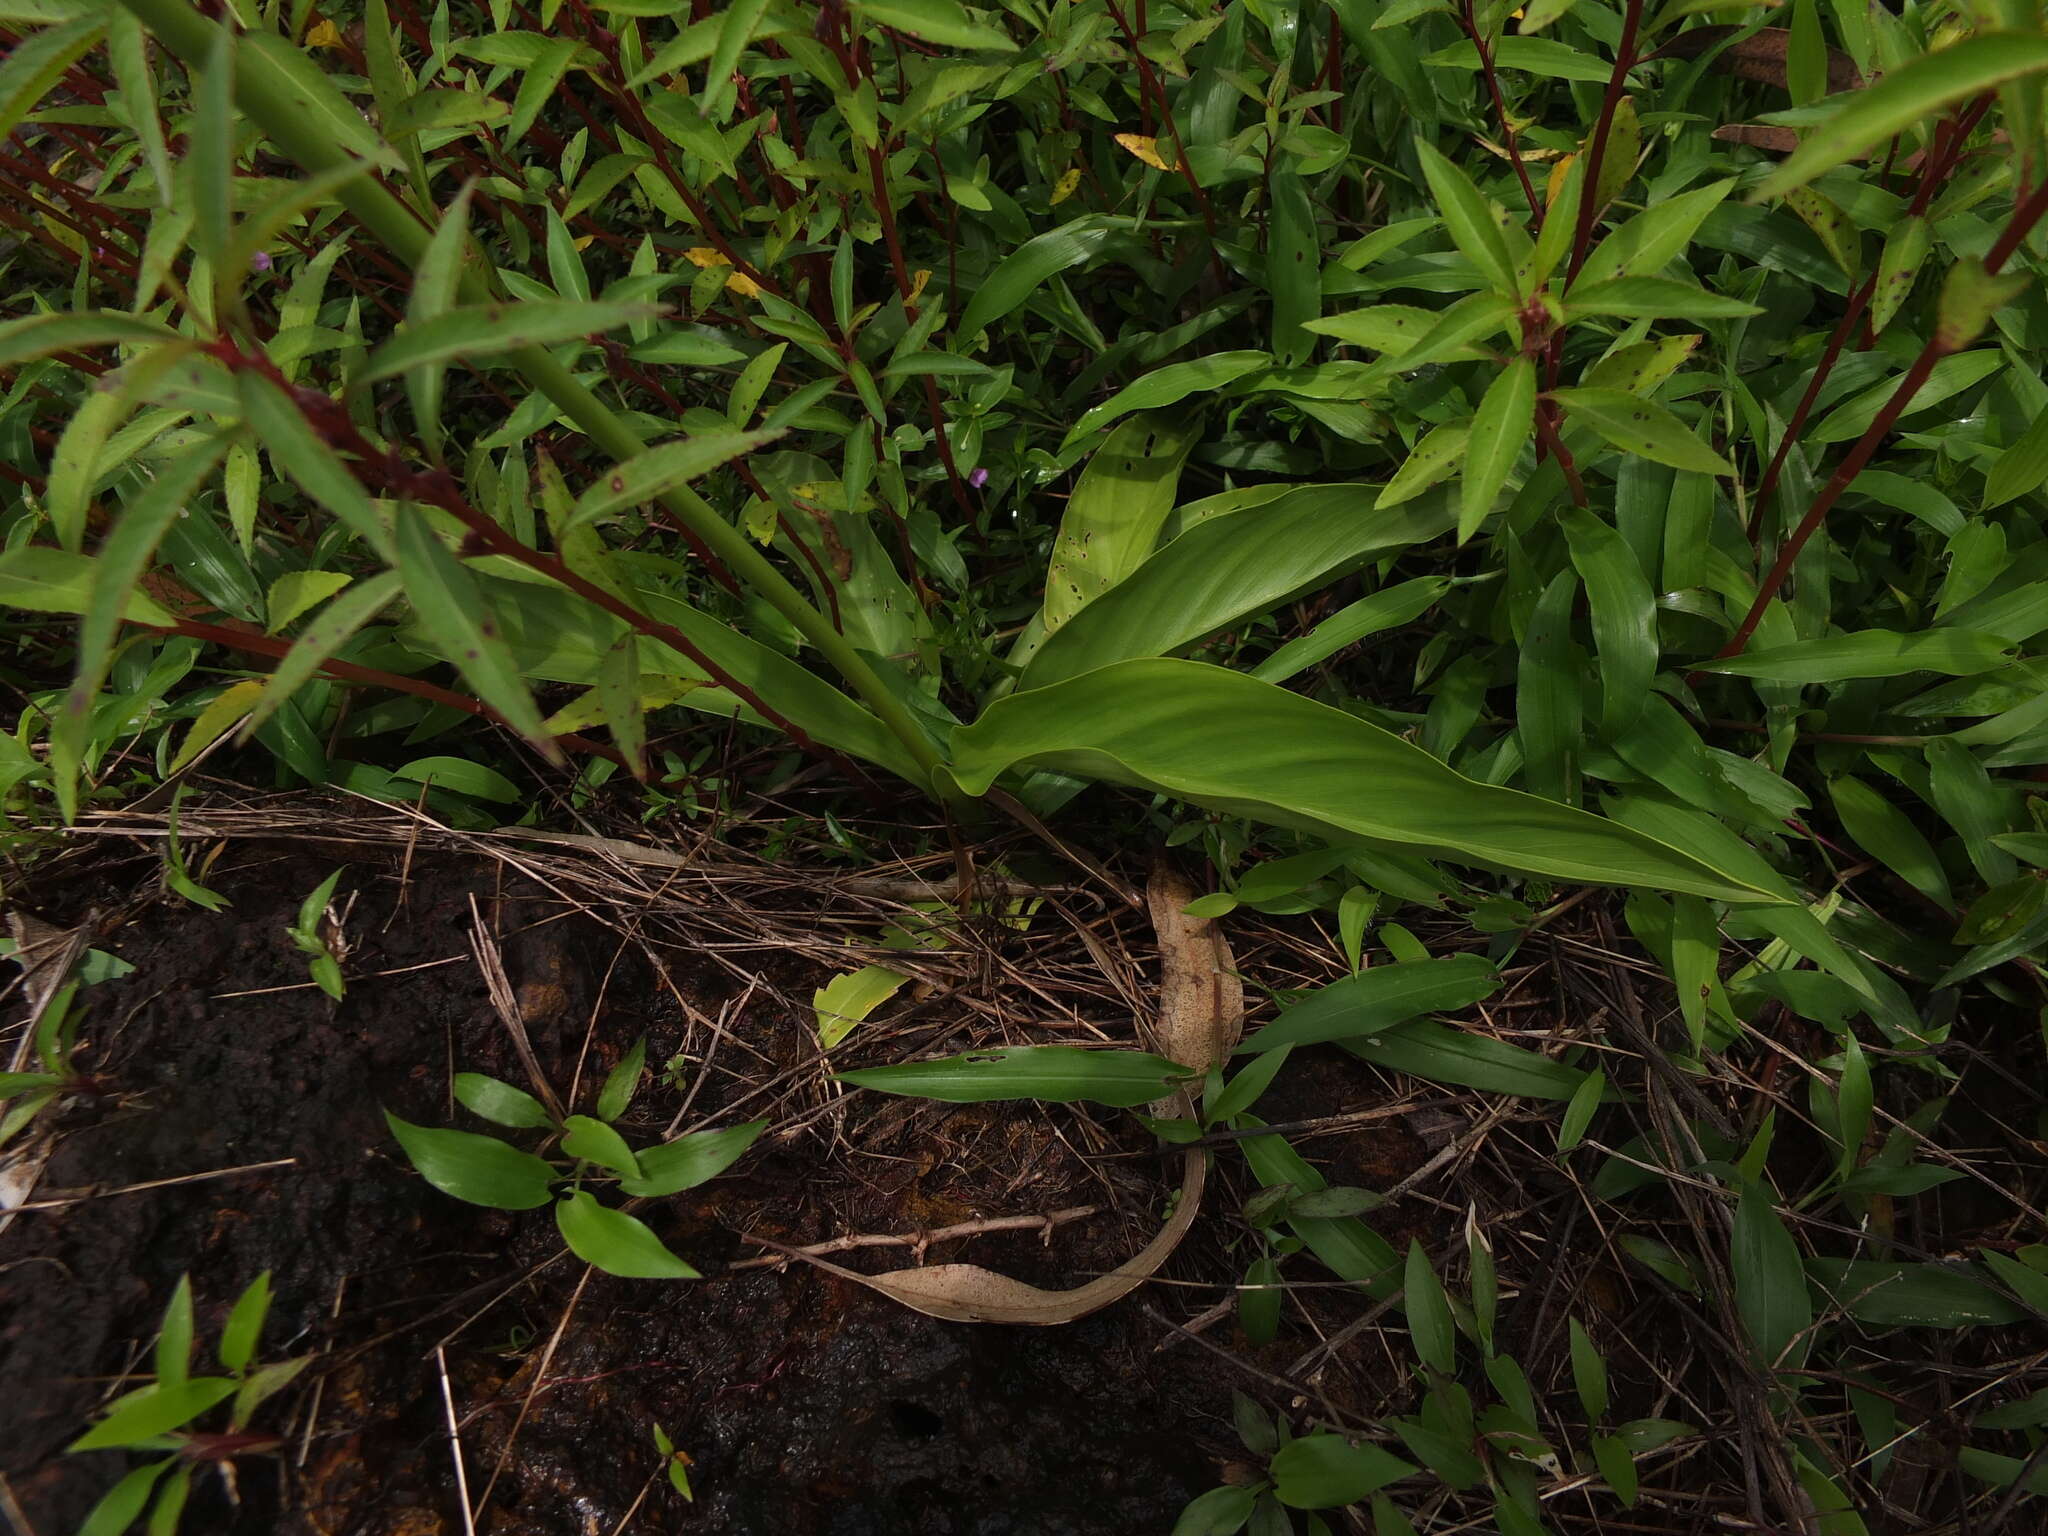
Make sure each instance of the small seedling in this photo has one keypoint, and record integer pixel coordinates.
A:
(490, 1171)
(25, 1095)
(318, 935)
(164, 1414)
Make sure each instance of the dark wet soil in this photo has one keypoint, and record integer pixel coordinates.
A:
(805, 1403)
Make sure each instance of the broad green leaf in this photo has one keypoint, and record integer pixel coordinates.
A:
(691, 1160)
(488, 330)
(1021, 273)
(1390, 328)
(935, 21)
(1429, 1313)
(1501, 429)
(1549, 708)
(1225, 570)
(1624, 613)
(1533, 55)
(1651, 298)
(296, 591)
(1440, 455)
(450, 607)
(1641, 427)
(1905, 250)
(1297, 763)
(1168, 385)
(228, 709)
(326, 633)
(622, 1082)
(1389, 609)
(1435, 1052)
(461, 775)
(1646, 244)
(1885, 832)
(45, 580)
(1219, 1512)
(174, 1339)
(244, 1327)
(1913, 94)
(1473, 222)
(154, 1411)
(1325, 1471)
(1377, 999)
(1871, 653)
(1059, 1074)
(2021, 469)
(616, 1243)
(1113, 519)
(39, 335)
(126, 1500)
(662, 468)
(500, 1103)
(848, 999)
(1294, 269)
(1889, 1295)
(35, 63)
(592, 1140)
(1951, 376)
(1770, 1283)
(479, 1169)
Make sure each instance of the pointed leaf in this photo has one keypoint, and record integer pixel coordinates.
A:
(616, 1243)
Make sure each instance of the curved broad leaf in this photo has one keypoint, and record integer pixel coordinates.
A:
(1113, 519)
(1164, 386)
(1020, 273)
(1870, 653)
(1906, 96)
(1227, 569)
(1386, 609)
(480, 1169)
(485, 330)
(1378, 999)
(1231, 743)
(616, 1243)
(691, 1160)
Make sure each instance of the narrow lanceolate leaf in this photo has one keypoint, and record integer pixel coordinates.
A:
(1021, 273)
(618, 701)
(328, 631)
(451, 609)
(943, 22)
(1297, 763)
(1905, 249)
(212, 155)
(1470, 219)
(1436, 458)
(1377, 999)
(123, 558)
(662, 468)
(691, 1160)
(1293, 269)
(1770, 1281)
(317, 469)
(1647, 243)
(153, 1412)
(434, 285)
(1396, 606)
(2021, 469)
(1059, 1074)
(1652, 298)
(1549, 713)
(1169, 385)
(1913, 94)
(1231, 568)
(1624, 617)
(37, 62)
(616, 1243)
(1641, 427)
(1871, 653)
(490, 330)
(40, 335)
(1324, 1471)
(1500, 430)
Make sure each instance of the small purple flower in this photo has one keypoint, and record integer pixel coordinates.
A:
(978, 478)
(260, 262)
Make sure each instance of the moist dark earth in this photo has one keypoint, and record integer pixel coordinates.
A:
(806, 1403)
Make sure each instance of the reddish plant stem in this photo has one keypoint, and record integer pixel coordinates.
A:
(1553, 443)
(2024, 217)
(386, 471)
(1948, 144)
(1596, 155)
(1509, 137)
(236, 638)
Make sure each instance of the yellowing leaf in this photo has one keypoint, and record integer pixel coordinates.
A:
(1064, 187)
(217, 719)
(846, 1000)
(705, 256)
(1146, 149)
(742, 285)
(1558, 173)
(918, 279)
(325, 35)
